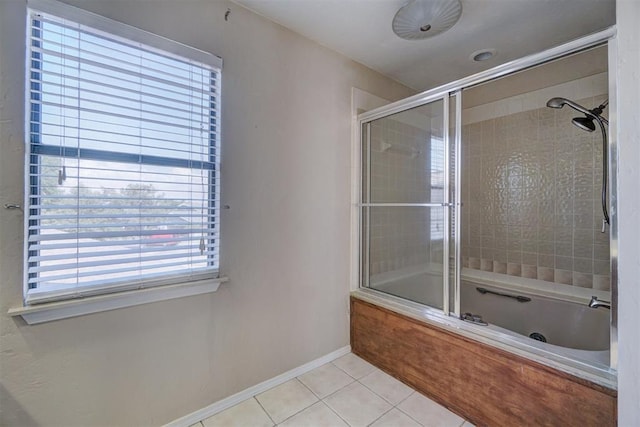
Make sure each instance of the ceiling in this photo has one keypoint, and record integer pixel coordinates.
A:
(361, 30)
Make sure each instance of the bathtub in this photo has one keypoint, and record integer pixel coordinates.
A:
(571, 329)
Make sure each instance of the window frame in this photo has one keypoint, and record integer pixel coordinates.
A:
(136, 291)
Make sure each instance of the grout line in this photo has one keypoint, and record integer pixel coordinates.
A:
(333, 392)
(332, 362)
(303, 409)
(308, 388)
(400, 409)
(385, 413)
(354, 378)
(263, 409)
(411, 394)
(359, 358)
(376, 394)
(337, 414)
(340, 389)
(382, 397)
(300, 411)
(316, 394)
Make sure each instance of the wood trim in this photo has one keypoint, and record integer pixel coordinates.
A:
(485, 385)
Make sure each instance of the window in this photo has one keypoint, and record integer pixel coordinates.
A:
(123, 159)
(436, 154)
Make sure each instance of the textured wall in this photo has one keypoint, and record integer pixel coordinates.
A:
(531, 195)
(285, 244)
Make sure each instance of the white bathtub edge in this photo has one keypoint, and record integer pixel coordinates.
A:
(536, 287)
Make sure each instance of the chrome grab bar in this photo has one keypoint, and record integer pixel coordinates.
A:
(519, 298)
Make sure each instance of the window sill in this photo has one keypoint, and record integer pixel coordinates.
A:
(48, 312)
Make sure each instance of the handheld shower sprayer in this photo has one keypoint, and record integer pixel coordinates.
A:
(587, 123)
(594, 114)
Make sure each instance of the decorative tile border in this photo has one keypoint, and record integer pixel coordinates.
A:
(554, 275)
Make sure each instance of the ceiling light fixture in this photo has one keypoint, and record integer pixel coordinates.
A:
(482, 55)
(420, 19)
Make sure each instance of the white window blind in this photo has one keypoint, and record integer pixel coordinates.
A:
(122, 163)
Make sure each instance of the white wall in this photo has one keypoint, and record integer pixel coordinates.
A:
(286, 134)
(286, 175)
(628, 137)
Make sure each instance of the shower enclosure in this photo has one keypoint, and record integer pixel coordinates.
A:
(404, 202)
(486, 207)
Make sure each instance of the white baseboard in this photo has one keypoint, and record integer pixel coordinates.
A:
(233, 400)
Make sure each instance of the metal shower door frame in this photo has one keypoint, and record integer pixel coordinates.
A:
(454, 88)
(364, 122)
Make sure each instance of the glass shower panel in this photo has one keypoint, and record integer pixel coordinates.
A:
(405, 252)
(403, 191)
(406, 154)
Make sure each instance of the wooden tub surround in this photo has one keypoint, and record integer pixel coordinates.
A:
(486, 385)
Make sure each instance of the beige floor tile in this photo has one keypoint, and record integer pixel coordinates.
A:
(429, 413)
(198, 424)
(325, 380)
(247, 413)
(395, 418)
(316, 415)
(357, 405)
(283, 401)
(354, 366)
(387, 387)
(468, 424)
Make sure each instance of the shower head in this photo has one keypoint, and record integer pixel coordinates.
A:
(587, 123)
(561, 102)
(556, 102)
(581, 122)
(584, 123)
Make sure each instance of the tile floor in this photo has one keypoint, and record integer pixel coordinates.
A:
(346, 392)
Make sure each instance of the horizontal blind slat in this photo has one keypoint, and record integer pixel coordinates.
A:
(130, 269)
(130, 120)
(111, 88)
(132, 251)
(125, 52)
(133, 75)
(108, 234)
(133, 113)
(142, 103)
(48, 245)
(143, 260)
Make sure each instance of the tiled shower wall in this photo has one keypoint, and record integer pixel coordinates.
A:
(401, 172)
(531, 198)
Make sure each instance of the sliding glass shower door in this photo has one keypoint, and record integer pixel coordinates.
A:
(405, 204)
